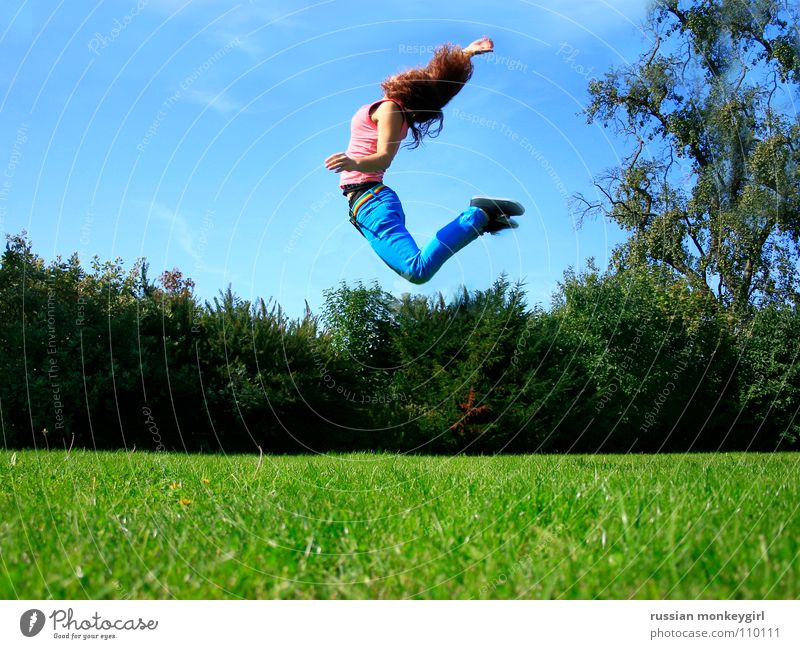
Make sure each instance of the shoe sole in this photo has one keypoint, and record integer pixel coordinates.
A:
(503, 205)
(504, 222)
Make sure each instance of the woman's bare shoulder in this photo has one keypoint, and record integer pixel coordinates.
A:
(386, 109)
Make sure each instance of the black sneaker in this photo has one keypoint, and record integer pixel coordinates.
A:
(498, 223)
(499, 211)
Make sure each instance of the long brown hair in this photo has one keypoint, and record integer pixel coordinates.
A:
(423, 92)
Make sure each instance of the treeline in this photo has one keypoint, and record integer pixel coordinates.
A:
(626, 361)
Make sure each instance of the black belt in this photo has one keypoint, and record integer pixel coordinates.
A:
(364, 192)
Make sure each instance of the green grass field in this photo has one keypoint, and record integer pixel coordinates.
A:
(119, 525)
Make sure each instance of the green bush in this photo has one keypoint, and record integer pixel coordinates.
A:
(621, 361)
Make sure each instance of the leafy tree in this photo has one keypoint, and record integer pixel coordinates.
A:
(633, 359)
(360, 323)
(454, 367)
(711, 189)
(657, 364)
(769, 379)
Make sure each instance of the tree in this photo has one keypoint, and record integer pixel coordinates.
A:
(711, 190)
(360, 323)
(655, 369)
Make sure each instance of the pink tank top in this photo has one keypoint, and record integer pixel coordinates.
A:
(364, 141)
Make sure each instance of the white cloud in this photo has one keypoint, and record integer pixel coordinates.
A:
(220, 102)
(243, 44)
(193, 240)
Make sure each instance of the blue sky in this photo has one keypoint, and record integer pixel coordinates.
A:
(194, 134)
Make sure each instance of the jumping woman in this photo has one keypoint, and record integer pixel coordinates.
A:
(412, 101)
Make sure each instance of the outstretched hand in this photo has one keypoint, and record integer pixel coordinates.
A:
(481, 46)
(340, 162)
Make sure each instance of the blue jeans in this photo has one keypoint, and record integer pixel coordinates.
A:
(383, 223)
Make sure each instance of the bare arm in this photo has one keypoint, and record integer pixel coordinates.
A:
(389, 119)
(481, 46)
